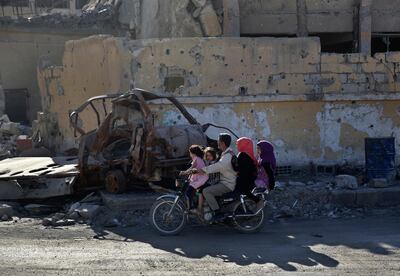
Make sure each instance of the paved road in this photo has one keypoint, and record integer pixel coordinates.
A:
(367, 246)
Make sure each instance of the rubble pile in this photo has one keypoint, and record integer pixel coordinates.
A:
(91, 210)
(298, 199)
(10, 132)
(95, 15)
(291, 198)
(315, 199)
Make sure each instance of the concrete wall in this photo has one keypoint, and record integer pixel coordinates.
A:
(20, 51)
(322, 16)
(312, 106)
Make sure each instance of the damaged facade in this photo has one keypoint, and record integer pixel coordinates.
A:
(313, 106)
(316, 97)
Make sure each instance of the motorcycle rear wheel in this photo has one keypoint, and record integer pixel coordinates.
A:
(247, 225)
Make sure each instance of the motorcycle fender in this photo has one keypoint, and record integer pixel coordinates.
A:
(171, 197)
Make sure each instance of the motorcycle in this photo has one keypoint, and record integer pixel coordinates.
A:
(171, 212)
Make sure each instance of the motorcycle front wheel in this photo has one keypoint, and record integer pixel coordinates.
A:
(167, 216)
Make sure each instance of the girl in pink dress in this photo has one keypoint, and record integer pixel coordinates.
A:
(195, 180)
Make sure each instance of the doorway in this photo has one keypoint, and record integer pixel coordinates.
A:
(16, 103)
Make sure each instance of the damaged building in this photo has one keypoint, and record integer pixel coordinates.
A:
(314, 77)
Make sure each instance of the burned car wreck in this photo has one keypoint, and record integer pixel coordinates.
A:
(128, 148)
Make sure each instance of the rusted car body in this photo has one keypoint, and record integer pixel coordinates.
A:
(128, 147)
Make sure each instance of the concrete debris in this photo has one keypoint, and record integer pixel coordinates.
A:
(294, 183)
(122, 218)
(6, 210)
(314, 200)
(73, 207)
(378, 183)
(279, 185)
(9, 128)
(64, 222)
(5, 218)
(75, 216)
(209, 21)
(128, 201)
(330, 197)
(332, 214)
(56, 223)
(84, 210)
(100, 16)
(346, 182)
(199, 3)
(285, 212)
(40, 209)
(9, 136)
(91, 198)
(36, 177)
(58, 216)
(47, 222)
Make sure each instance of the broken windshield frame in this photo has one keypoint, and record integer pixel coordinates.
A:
(117, 97)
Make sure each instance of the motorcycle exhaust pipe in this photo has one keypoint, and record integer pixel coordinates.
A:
(247, 215)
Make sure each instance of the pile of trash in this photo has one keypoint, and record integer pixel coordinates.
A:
(14, 138)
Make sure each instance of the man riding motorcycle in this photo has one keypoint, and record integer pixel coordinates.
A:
(227, 175)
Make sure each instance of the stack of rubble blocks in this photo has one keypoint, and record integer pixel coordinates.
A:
(14, 138)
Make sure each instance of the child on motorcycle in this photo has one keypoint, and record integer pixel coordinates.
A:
(210, 156)
(195, 180)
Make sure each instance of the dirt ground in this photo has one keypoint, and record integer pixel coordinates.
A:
(358, 246)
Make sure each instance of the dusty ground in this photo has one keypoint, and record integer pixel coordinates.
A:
(359, 246)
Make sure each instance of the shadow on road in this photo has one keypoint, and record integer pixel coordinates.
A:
(220, 242)
(283, 244)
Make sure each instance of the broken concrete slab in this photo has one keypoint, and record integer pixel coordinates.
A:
(285, 212)
(47, 221)
(11, 189)
(367, 197)
(36, 188)
(128, 201)
(57, 222)
(85, 210)
(344, 198)
(6, 209)
(58, 216)
(64, 222)
(37, 177)
(378, 183)
(346, 182)
(296, 183)
(12, 168)
(209, 21)
(40, 209)
(10, 128)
